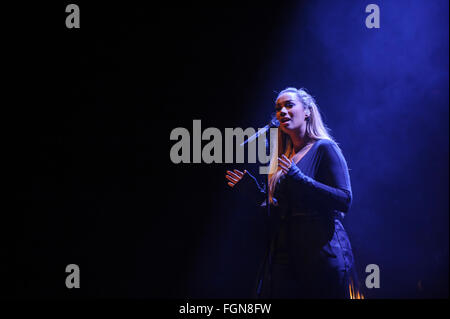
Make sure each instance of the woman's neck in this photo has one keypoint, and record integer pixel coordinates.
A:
(299, 140)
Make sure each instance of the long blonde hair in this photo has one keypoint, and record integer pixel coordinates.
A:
(315, 130)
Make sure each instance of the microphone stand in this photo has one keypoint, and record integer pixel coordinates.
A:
(268, 256)
(268, 230)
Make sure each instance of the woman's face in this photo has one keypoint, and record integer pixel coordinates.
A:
(290, 112)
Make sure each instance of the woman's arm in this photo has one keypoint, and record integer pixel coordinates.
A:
(335, 191)
(247, 185)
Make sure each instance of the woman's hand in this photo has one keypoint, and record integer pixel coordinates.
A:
(284, 163)
(234, 177)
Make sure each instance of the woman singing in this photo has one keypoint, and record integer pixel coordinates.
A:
(309, 191)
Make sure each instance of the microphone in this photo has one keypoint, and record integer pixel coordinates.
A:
(273, 123)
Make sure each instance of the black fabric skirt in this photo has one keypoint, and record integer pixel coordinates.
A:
(309, 271)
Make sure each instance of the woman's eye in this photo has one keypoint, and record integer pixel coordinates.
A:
(289, 105)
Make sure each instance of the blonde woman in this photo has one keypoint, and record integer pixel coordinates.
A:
(310, 255)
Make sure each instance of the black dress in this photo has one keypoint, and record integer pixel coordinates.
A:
(309, 255)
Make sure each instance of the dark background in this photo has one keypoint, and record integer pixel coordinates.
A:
(90, 127)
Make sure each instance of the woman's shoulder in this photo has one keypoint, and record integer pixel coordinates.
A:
(324, 143)
(328, 147)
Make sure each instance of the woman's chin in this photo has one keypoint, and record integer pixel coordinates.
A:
(285, 127)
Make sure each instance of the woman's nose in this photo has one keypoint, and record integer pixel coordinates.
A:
(283, 111)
